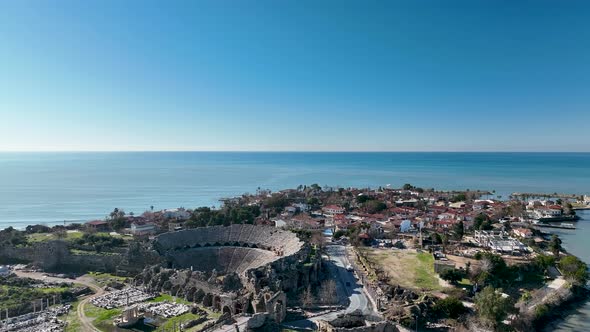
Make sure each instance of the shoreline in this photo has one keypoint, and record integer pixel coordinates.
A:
(561, 313)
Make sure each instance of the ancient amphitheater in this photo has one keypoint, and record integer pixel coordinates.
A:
(237, 248)
(235, 269)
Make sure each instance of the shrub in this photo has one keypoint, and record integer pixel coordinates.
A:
(450, 307)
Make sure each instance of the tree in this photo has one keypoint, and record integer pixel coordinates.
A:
(555, 245)
(117, 219)
(452, 275)
(492, 307)
(407, 186)
(338, 234)
(435, 238)
(306, 298)
(459, 230)
(479, 220)
(543, 262)
(450, 307)
(328, 292)
(574, 270)
(374, 206)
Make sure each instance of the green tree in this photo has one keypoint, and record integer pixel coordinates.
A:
(492, 307)
(117, 219)
(435, 238)
(479, 219)
(459, 230)
(374, 206)
(452, 275)
(450, 307)
(574, 270)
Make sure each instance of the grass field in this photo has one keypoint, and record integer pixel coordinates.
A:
(103, 318)
(103, 279)
(72, 319)
(405, 267)
(40, 237)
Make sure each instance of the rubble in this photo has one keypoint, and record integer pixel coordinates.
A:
(43, 321)
(164, 309)
(121, 298)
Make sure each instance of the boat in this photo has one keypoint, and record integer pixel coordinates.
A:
(572, 217)
(562, 225)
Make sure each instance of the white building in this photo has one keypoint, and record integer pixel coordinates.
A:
(180, 214)
(333, 209)
(140, 229)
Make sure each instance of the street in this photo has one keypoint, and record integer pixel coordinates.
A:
(357, 297)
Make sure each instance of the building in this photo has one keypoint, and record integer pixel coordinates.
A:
(98, 225)
(143, 228)
(524, 233)
(178, 214)
(175, 226)
(333, 209)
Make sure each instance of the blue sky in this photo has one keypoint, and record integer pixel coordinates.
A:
(295, 75)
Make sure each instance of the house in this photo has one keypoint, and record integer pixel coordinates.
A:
(143, 228)
(98, 225)
(524, 233)
(302, 206)
(291, 209)
(178, 214)
(174, 226)
(333, 209)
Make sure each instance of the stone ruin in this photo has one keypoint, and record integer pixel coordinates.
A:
(233, 269)
(355, 322)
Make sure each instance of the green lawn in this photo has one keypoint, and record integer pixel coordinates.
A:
(425, 275)
(72, 319)
(103, 318)
(170, 322)
(404, 267)
(104, 278)
(40, 237)
(169, 298)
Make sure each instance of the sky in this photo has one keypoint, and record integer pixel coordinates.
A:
(294, 75)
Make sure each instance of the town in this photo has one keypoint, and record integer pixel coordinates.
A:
(308, 258)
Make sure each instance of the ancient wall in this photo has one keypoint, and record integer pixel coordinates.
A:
(54, 255)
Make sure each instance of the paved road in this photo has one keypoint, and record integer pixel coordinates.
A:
(355, 292)
(83, 280)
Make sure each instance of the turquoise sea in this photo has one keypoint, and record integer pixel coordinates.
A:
(52, 187)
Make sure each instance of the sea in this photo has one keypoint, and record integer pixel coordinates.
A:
(55, 188)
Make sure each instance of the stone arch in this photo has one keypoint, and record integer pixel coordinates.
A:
(238, 308)
(226, 309)
(208, 300)
(217, 303)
